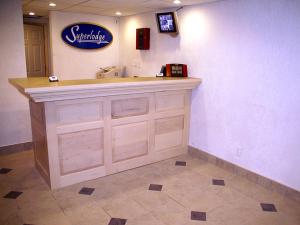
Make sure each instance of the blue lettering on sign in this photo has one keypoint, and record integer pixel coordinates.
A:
(87, 36)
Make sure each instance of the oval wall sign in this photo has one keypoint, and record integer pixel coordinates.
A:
(87, 36)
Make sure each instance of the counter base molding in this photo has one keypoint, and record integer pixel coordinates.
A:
(82, 139)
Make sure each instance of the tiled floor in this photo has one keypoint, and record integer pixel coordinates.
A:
(178, 191)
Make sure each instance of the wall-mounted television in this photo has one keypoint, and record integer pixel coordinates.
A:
(167, 22)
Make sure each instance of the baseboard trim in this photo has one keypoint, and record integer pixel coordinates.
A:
(249, 175)
(10, 149)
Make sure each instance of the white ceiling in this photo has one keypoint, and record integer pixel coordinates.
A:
(103, 7)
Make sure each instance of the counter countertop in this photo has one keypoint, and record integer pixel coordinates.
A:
(40, 89)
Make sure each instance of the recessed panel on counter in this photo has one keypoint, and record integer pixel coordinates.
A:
(166, 101)
(129, 107)
(74, 112)
(169, 132)
(129, 141)
(81, 150)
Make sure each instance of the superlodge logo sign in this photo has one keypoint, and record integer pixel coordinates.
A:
(87, 36)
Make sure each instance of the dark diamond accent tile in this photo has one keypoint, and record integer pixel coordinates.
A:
(117, 221)
(13, 194)
(198, 215)
(218, 182)
(180, 163)
(86, 191)
(268, 207)
(5, 170)
(155, 187)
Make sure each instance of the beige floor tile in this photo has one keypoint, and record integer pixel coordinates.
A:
(33, 197)
(110, 192)
(13, 219)
(172, 216)
(213, 172)
(167, 169)
(73, 203)
(124, 177)
(4, 188)
(8, 209)
(87, 214)
(190, 161)
(44, 206)
(181, 218)
(202, 200)
(146, 219)
(191, 178)
(267, 218)
(253, 190)
(142, 171)
(289, 207)
(132, 186)
(110, 199)
(127, 209)
(237, 199)
(50, 219)
(42, 213)
(35, 206)
(151, 200)
(228, 214)
(24, 179)
(68, 192)
(150, 174)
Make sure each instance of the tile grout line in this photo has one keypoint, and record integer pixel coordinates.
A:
(175, 200)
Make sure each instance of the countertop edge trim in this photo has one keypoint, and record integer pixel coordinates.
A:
(57, 94)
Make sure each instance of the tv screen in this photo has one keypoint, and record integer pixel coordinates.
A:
(166, 22)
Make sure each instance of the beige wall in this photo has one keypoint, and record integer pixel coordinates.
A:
(14, 112)
(73, 63)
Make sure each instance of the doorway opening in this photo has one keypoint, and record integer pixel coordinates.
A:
(36, 38)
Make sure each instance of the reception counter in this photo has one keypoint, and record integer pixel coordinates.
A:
(84, 129)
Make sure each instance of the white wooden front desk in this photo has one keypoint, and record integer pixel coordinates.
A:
(86, 129)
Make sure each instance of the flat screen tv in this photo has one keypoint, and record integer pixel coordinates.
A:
(167, 22)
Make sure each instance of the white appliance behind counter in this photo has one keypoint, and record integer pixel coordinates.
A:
(111, 71)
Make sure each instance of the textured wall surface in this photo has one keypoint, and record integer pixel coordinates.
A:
(247, 109)
(14, 111)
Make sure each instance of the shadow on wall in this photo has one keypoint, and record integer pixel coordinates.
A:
(198, 126)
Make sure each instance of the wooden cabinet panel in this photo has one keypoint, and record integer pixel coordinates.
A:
(129, 141)
(39, 139)
(40, 150)
(166, 101)
(79, 112)
(37, 112)
(169, 132)
(129, 107)
(80, 150)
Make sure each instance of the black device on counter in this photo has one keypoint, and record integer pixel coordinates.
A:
(162, 72)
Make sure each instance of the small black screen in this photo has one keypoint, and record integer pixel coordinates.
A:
(166, 22)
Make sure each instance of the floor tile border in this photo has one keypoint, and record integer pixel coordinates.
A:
(10, 149)
(249, 175)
